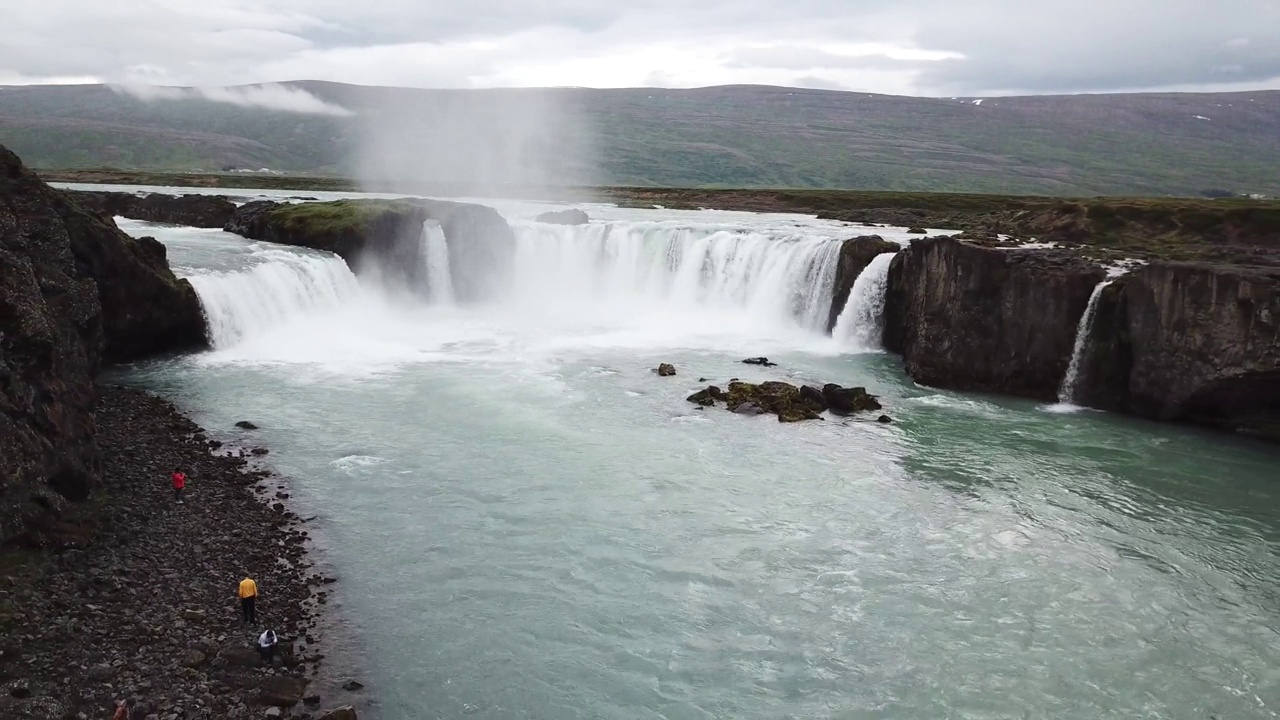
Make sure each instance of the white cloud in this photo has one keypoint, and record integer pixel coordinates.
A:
(270, 96)
(933, 47)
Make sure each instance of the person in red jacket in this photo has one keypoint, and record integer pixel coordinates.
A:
(179, 484)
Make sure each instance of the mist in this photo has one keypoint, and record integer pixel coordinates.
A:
(534, 143)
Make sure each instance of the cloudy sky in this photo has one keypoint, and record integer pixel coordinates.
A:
(917, 47)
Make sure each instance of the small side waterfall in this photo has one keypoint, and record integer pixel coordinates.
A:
(435, 254)
(861, 323)
(1067, 392)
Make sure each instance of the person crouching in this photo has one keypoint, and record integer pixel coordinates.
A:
(267, 643)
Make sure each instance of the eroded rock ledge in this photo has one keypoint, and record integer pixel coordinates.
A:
(386, 236)
(196, 210)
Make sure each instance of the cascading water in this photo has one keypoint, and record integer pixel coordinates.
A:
(1067, 392)
(628, 266)
(861, 323)
(278, 285)
(435, 253)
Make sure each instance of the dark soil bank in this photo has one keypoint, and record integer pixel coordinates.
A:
(134, 596)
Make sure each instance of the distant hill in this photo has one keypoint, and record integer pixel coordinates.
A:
(732, 136)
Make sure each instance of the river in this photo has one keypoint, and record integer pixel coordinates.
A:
(528, 522)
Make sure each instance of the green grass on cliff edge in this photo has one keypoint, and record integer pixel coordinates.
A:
(338, 217)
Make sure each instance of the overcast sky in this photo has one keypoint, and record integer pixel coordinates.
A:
(916, 47)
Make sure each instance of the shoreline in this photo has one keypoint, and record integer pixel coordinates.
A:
(131, 595)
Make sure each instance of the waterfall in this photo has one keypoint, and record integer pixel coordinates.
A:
(1066, 393)
(435, 253)
(278, 285)
(861, 322)
(630, 266)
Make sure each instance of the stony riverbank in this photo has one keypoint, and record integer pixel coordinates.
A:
(133, 596)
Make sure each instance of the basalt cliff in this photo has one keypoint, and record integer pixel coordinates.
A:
(1169, 340)
(75, 294)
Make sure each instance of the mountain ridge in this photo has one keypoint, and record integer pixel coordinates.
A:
(718, 136)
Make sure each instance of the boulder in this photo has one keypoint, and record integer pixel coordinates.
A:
(564, 217)
(847, 401)
(884, 419)
(345, 712)
(665, 370)
(855, 255)
(761, 361)
(917, 231)
(708, 396)
(246, 425)
(813, 396)
(281, 691)
(353, 686)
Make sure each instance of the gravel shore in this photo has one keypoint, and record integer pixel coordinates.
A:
(135, 596)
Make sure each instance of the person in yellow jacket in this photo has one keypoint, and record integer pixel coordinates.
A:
(248, 596)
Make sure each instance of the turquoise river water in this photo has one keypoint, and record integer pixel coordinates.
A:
(528, 522)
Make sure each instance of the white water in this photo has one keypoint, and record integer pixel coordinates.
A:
(435, 252)
(861, 323)
(1067, 393)
(639, 268)
(278, 286)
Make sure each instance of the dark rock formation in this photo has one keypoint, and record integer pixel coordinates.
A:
(981, 319)
(564, 217)
(1190, 342)
(205, 211)
(665, 370)
(246, 425)
(761, 361)
(345, 712)
(75, 292)
(847, 401)
(916, 231)
(788, 402)
(385, 236)
(855, 255)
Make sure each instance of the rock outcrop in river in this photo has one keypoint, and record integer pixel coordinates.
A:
(386, 236)
(788, 402)
(75, 293)
(855, 255)
(203, 211)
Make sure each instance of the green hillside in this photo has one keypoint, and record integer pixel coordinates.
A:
(735, 136)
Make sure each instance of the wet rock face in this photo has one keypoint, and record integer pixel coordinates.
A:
(205, 211)
(855, 256)
(1189, 341)
(980, 319)
(75, 293)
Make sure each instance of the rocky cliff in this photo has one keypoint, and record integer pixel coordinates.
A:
(1190, 342)
(75, 293)
(204, 211)
(982, 319)
(1176, 341)
(855, 255)
(386, 237)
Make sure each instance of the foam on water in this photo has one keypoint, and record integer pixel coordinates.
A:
(861, 323)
